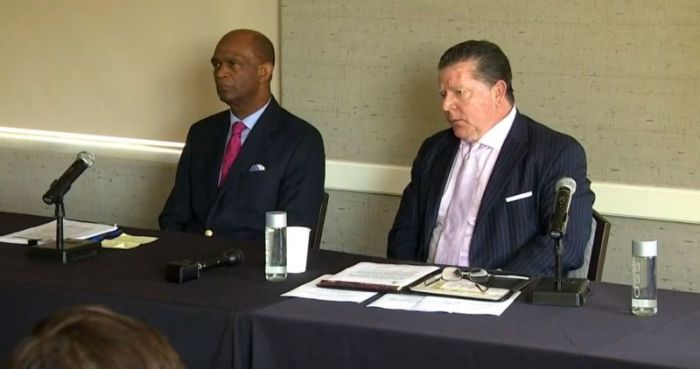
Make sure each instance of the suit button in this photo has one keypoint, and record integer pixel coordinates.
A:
(208, 233)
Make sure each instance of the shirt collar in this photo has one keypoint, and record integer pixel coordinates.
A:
(495, 137)
(252, 119)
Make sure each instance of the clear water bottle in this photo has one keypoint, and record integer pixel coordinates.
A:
(275, 246)
(644, 278)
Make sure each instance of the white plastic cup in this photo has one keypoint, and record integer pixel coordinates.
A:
(297, 248)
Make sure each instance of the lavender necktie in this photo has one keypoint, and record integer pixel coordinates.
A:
(461, 213)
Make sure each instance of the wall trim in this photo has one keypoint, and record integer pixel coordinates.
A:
(110, 146)
(615, 199)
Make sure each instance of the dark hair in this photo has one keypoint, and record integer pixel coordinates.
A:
(264, 48)
(93, 337)
(491, 63)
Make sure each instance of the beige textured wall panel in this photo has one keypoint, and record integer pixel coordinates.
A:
(622, 78)
(358, 223)
(123, 191)
(387, 126)
(678, 265)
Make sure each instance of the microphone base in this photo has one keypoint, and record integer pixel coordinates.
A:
(574, 292)
(73, 250)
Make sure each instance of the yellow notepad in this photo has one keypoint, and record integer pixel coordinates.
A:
(126, 241)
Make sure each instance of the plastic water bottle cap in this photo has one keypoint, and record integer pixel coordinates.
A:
(276, 219)
(644, 248)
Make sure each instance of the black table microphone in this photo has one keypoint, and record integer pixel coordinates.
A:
(60, 186)
(565, 189)
(185, 270)
(559, 290)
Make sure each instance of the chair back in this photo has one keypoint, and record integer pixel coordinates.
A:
(600, 247)
(594, 255)
(317, 232)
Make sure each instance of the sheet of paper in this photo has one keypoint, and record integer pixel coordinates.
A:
(46, 232)
(127, 241)
(311, 291)
(442, 304)
(397, 275)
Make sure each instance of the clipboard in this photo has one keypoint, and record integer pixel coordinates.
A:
(498, 286)
(378, 277)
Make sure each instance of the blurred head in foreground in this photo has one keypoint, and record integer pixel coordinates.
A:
(93, 337)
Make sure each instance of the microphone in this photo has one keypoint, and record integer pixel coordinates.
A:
(231, 257)
(60, 186)
(565, 189)
(185, 270)
(559, 290)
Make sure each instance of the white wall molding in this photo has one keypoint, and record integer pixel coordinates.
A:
(616, 199)
(116, 147)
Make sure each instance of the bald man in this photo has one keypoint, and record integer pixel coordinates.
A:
(250, 159)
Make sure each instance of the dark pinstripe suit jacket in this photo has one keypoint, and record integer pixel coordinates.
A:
(290, 149)
(508, 235)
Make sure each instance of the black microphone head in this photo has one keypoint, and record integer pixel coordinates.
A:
(566, 182)
(233, 257)
(60, 186)
(87, 157)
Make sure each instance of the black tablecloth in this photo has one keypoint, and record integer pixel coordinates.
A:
(603, 334)
(198, 316)
(233, 317)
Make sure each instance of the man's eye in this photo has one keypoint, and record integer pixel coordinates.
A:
(233, 64)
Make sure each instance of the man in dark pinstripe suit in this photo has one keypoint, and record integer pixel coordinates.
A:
(482, 192)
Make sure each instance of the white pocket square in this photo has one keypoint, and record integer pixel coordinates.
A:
(519, 196)
(256, 168)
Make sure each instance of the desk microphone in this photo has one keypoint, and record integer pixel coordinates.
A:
(185, 270)
(60, 186)
(565, 188)
(559, 290)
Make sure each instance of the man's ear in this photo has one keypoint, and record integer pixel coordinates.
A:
(265, 72)
(499, 89)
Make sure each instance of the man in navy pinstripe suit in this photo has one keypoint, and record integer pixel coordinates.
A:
(482, 193)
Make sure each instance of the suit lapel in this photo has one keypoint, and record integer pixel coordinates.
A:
(513, 150)
(214, 153)
(440, 171)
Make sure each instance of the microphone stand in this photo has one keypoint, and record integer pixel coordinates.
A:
(64, 250)
(60, 214)
(559, 290)
(558, 251)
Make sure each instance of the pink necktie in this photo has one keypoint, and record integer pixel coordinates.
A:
(232, 149)
(457, 233)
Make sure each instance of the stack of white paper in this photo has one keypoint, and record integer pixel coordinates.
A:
(47, 232)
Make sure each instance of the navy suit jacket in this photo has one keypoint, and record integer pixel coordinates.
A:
(292, 154)
(513, 235)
